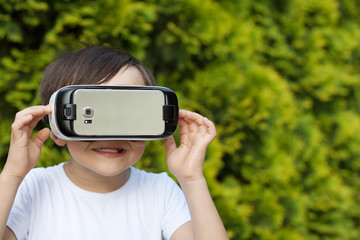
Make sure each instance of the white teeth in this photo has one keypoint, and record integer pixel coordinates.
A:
(109, 150)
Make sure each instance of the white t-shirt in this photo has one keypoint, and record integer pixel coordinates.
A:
(49, 206)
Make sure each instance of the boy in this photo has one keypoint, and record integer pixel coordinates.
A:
(98, 194)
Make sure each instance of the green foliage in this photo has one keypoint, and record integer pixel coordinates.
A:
(279, 78)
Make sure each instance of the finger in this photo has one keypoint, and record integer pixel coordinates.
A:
(41, 137)
(186, 121)
(210, 128)
(187, 125)
(18, 126)
(37, 113)
(183, 127)
(170, 144)
(191, 117)
(188, 114)
(34, 110)
(198, 123)
(32, 124)
(182, 113)
(35, 121)
(184, 132)
(203, 124)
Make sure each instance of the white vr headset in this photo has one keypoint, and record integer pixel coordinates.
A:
(99, 112)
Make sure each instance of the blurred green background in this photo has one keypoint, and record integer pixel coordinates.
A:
(279, 78)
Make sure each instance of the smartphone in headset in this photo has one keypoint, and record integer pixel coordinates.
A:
(100, 112)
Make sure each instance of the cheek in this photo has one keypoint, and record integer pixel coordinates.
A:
(75, 148)
(138, 147)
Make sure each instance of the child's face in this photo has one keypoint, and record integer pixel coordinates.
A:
(109, 158)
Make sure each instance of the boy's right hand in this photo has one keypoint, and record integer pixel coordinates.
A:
(24, 151)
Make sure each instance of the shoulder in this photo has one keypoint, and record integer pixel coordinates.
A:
(152, 181)
(43, 176)
(43, 172)
(142, 175)
(170, 201)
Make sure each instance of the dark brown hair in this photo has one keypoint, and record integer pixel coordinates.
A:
(91, 65)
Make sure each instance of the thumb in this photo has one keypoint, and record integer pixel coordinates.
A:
(41, 137)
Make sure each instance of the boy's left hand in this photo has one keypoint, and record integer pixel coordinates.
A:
(196, 133)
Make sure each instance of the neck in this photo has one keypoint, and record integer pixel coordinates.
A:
(92, 181)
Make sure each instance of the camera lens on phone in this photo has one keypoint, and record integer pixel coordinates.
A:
(88, 112)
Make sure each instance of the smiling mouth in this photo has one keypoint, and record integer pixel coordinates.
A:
(109, 150)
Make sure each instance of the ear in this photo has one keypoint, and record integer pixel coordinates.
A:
(58, 141)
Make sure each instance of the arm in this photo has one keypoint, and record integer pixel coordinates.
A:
(23, 155)
(186, 163)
